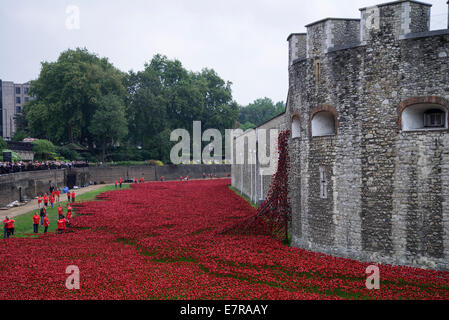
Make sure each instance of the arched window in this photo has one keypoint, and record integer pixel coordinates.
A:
(296, 127)
(323, 124)
(420, 115)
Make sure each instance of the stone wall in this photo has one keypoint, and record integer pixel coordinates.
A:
(386, 189)
(31, 184)
(253, 178)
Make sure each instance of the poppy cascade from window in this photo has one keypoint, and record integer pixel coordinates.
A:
(274, 214)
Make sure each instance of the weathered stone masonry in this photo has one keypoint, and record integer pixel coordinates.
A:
(387, 189)
(369, 176)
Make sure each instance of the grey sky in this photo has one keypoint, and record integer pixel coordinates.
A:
(244, 41)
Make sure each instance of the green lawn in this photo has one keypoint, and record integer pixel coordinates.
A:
(24, 223)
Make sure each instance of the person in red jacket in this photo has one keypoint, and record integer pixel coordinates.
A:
(69, 216)
(53, 193)
(52, 201)
(5, 229)
(69, 210)
(120, 181)
(61, 225)
(10, 227)
(116, 184)
(58, 195)
(60, 211)
(73, 196)
(46, 200)
(180, 178)
(143, 179)
(39, 202)
(68, 196)
(46, 224)
(36, 219)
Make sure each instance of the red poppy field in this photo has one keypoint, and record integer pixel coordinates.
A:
(163, 241)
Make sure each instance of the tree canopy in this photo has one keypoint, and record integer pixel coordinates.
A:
(67, 94)
(83, 99)
(258, 112)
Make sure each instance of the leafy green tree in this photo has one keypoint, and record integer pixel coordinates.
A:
(260, 111)
(67, 95)
(19, 135)
(68, 154)
(3, 144)
(247, 126)
(44, 149)
(108, 124)
(165, 96)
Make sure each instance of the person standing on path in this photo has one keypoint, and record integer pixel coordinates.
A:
(46, 224)
(116, 184)
(43, 214)
(5, 228)
(120, 181)
(10, 227)
(36, 219)
(52, 201)
(39, 202)
(73, 197)
(45, 200)
(58, 195)
(60, 211)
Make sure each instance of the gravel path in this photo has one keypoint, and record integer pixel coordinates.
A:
(32, 205)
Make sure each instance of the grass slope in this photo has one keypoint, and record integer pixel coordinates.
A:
(24, 223)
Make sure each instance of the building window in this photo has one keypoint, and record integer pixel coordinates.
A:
(18, 109)
(296, 128)
(18, 101)
(25, 90)
(434, 118)
(424, 117)
(323, 124)
(17, 90)
(317, 71)
(323, 183)
(27, 99)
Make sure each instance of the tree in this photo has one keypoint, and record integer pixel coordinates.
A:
(260, 111)
(19, 135)
(108, 124)
(3, 144)
(165, 96)
(44, 149)
(67, 95)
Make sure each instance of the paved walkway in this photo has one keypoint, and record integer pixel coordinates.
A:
(32, 205)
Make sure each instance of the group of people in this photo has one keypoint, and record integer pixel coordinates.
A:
(8, 227)
(40, 217)
(43, 220)
(20, 166)
(119, 182)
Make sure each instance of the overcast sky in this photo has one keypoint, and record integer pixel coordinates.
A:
(243, 40)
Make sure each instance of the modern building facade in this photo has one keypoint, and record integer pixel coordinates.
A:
(12, 98)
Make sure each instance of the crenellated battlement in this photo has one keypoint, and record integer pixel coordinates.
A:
(394, 20)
